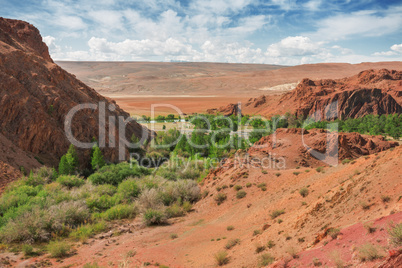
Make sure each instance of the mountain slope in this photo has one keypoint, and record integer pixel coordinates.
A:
(37, 94)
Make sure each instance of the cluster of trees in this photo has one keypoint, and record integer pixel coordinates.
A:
(387, 125)
(69, 164)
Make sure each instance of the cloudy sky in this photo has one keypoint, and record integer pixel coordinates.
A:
(246, 31)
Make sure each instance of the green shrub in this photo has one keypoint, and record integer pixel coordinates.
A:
(58, 249)
(231, 243)
(106, 189)
(92, 265)
(277, 174)
(395, 232)
(248, 184)
(241, 194)
(238, 187)
(27, 250)
(115, 174)
(230, 228)
(319, 169)
(70, 181)
(221, 258)
(317, 262)
(259, 248)
(346, 161)
(121, 211)
(266, 259)
(128, 189)
(277, 213)
(385, 198)
(174, 211)
(85, 232)
(368, 252)
(154, 217)
(270, 244)
(100, 203)
(173, 236)
(264, 171)
(303, 192)
(220, 198)
(334, 232)
(257, 232)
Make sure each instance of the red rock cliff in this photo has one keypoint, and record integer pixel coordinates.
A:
(36, 95)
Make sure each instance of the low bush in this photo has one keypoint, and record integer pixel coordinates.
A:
(230, 228)
(237, 187)
(87, 231)
(277, 213)
(385, 198)
(241, 194)
(368, 252)
(303, 192)
(58, 249)
(334, 232)
(174, 211)
(70, 181)
(270, 244)
(154, 217)
(231, 243)
(28, 250)
(173, 236)
(395, 233)
(128, 189)
(259, 248)
(266, 259)
(121, 211)
(221, 258)
(220, 198)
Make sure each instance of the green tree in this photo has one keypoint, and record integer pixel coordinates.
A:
(72, 158)
(64, 166)
(97, 160)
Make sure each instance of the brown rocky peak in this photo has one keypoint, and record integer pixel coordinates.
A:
(23, 36)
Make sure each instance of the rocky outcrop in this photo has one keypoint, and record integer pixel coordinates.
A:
(228, 110)
(298, 147)
(374, 92)
(369, 92)
(36, 96)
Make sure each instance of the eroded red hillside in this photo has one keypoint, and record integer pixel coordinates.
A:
(299, 147)
(369, 92)
(37, 94)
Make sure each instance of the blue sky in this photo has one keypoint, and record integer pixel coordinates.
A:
(247, 31)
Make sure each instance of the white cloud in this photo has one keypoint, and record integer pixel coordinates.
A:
(394, 50)
(293, 46)
(397, 48)
(362, 23)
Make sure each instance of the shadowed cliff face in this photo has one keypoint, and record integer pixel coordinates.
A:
(36, 95)
(369, 92)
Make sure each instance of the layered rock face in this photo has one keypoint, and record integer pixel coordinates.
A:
(36, 95)
(369, 92)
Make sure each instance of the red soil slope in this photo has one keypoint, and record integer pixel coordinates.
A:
(346, 197)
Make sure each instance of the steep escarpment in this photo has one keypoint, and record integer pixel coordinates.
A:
(369, 92)
(36, 96)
